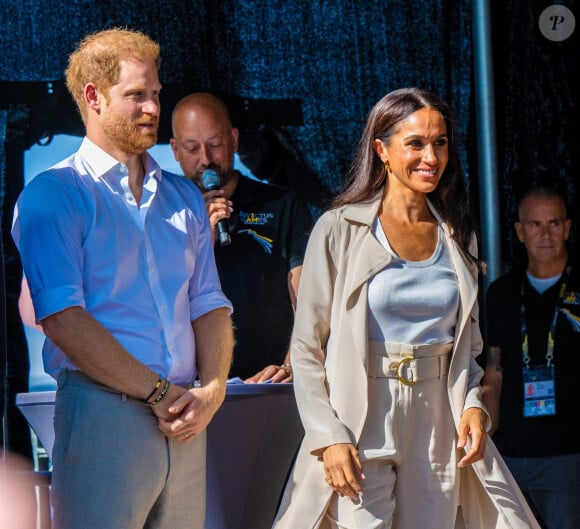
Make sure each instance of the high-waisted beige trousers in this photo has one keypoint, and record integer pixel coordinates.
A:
(408, 444)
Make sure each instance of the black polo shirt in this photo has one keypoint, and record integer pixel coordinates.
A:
(519, 436)
(269, 230)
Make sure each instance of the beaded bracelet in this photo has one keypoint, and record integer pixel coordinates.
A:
(161, 395)
(146, 399)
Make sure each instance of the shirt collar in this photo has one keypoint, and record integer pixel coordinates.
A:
(102, 163)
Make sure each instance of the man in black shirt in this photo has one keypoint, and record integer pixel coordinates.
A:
(533, 363)
(269, 226)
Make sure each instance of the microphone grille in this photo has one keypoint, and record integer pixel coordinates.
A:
(210, 179)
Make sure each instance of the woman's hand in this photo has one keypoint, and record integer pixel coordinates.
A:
(343, 470)
(472, 425)
(273, 373)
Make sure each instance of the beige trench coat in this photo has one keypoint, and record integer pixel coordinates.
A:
(329, 357)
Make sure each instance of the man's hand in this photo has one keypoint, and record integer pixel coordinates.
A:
(190, 414)
(162, 409)
(277, 374)
(218, 207)
(491, 386)
(194, 409)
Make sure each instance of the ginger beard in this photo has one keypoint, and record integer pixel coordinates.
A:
(131, 136)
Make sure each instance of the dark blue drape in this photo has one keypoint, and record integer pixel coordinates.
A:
(537, 110)
(338, 57)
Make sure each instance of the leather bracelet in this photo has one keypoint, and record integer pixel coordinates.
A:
(161, 395)
(157, 386)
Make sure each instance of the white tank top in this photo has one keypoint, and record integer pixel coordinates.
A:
(414, 302)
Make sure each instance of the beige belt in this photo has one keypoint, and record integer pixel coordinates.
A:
(408, 363)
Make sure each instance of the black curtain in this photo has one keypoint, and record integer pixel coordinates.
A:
(537, 112)
(336, 57)
(14, 362)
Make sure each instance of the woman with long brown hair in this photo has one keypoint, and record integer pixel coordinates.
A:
(384, 344)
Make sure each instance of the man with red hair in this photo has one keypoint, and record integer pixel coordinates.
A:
(119, 258)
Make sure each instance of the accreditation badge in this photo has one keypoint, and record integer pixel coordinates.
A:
(539, 391)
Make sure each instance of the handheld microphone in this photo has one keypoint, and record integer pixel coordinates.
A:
(210, 180)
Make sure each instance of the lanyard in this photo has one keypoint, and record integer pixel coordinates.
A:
(551, 332)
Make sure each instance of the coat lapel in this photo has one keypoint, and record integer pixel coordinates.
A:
(370, 258)
(465, 280)
(459, 368)
(371, 255)
(465, 275)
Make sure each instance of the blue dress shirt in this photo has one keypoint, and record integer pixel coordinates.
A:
(144, 271)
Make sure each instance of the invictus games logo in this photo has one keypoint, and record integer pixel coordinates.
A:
(557, 22)
(262, 240)
(255, 219)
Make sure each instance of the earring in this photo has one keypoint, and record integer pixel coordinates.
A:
(387, 167)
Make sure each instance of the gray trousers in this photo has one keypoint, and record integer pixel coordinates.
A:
(551, 486)
(114, 469)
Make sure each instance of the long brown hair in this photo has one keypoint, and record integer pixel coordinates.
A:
(367, 174)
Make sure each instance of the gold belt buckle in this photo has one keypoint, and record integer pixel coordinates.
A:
(397, 367)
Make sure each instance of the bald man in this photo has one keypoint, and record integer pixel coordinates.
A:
(533, 362)
(269, 226)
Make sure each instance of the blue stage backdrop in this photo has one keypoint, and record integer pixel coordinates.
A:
(337, 57)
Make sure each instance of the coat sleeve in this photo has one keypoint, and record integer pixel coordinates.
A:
(310, 335)
(473, 398)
